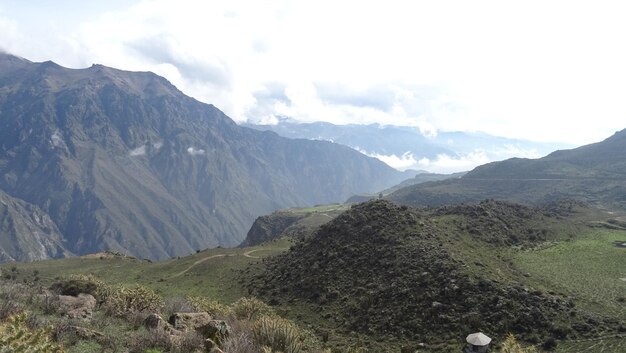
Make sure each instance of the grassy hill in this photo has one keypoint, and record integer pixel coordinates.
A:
(380, 277)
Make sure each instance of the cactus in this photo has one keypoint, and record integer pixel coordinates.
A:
(210, 306)
(16, 337)
(133, 299)
(275, 335)
(251, 308)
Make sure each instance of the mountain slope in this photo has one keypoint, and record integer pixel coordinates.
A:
(124, 161)
(594, 173)
(27, 232)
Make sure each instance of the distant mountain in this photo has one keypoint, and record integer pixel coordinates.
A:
(102, 159)
(411, 144)
(594, 173)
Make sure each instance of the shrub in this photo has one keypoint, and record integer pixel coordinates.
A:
(251, 308)
(133, 299)
(16, 337)
(210, 306)
(154, 340)
(275, 334)
(510, 345)
(87, 284)
(178, 305)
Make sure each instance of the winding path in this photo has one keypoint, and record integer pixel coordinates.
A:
(245, 254)
(197, 263)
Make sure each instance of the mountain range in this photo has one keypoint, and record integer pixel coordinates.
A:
(594, 174)
(103, 159)
(408, 147)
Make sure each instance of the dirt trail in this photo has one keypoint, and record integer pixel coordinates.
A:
(197, 263)
(246, 254)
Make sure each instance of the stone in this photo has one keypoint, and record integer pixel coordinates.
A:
(80, 307)
(189, 321)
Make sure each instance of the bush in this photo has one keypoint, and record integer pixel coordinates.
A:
(510, 345)
(86, 284)
(275, 334)
(210, 306)
(16, 337)
(251, 308)
(134, 299)
(549, 344)
(154, 340)
(177, 305)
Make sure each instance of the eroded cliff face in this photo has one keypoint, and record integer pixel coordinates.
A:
(28, 233)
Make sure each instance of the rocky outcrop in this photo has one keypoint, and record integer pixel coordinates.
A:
(212, 331)
(79, 307)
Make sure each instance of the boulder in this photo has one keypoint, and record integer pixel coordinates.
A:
(189, 321)
(215, 330)
(80, 307)
(156, 322)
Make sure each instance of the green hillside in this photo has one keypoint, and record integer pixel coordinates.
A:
(379, 277)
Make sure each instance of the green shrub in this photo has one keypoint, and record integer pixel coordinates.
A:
(251, 308)
(510, 345)
(88, 284)
(210, 306)
(275, 334)
(133, 299)
(16, 337)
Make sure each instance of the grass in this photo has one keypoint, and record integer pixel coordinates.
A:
(320, 208)
(604, 345)
(589, 268)
(211, 273)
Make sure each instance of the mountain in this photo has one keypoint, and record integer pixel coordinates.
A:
(595, 174)
(411, 145)
(18, 218)
(124, 161)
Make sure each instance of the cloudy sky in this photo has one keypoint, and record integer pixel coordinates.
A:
(537, 70)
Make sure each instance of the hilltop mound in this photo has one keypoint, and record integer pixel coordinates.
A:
(422, 275)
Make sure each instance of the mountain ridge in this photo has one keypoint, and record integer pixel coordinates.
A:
(594, 173)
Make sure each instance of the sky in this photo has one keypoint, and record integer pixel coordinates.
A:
(535, 70)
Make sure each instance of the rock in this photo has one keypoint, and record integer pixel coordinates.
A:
(189, 321)
(87, 334)
(80, 307)
(216, 330)
(156, 322)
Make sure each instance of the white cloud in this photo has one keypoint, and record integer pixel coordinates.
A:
(446, 164)
(403, 162)
(533, 69)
